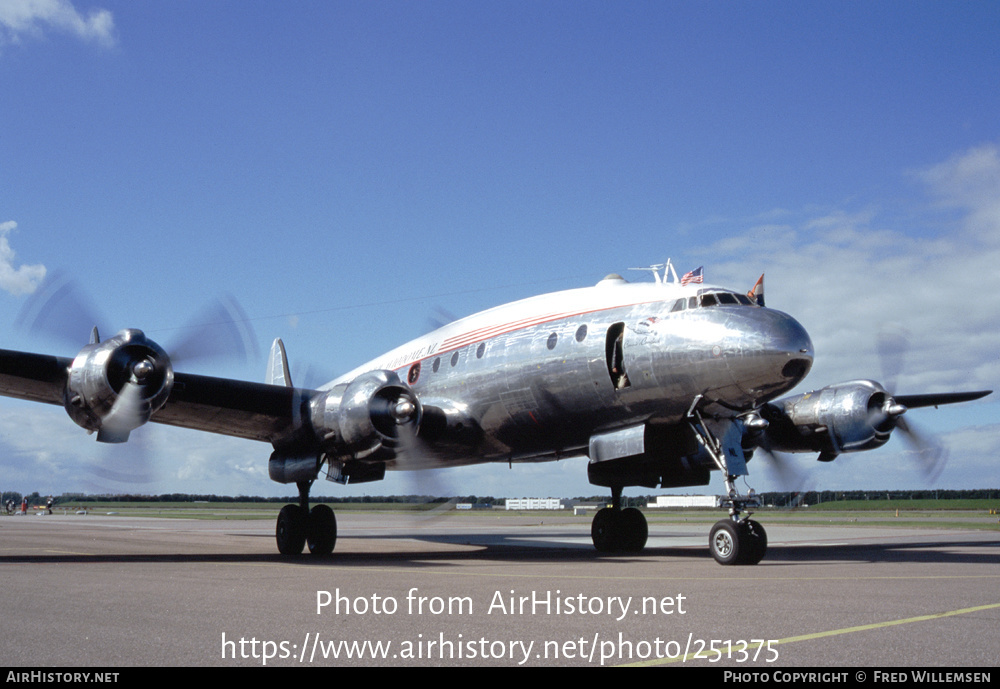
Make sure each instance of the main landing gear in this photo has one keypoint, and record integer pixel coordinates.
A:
(298, 526)
(617, 530)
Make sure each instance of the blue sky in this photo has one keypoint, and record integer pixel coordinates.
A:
(346, 168)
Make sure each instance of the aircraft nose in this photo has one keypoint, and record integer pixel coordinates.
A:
(775, 357)
(790, 345)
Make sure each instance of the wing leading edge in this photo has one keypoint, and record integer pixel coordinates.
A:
(243, 409)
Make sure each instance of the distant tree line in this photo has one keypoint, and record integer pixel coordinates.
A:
(818, 497)
(780, 499)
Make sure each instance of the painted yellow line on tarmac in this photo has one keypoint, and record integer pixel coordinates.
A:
(819, 635)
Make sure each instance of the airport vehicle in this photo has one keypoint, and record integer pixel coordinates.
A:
(658, 383)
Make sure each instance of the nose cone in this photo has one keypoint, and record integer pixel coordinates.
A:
(776, 357)
(791, 341)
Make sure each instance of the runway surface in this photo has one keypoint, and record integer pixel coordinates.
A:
(490, 590)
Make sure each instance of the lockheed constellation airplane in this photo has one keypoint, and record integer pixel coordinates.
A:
(657, 383)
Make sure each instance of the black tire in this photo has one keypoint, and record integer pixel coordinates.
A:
(633, 531)
(322, 531)
(604, 530)
(725, 542)
(290, 532)
(755, 539)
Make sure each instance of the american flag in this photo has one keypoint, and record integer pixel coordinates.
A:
(697, 275)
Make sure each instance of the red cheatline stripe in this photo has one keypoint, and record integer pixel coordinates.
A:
(494, 330)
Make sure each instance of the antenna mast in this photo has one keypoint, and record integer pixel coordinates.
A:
(667, 268)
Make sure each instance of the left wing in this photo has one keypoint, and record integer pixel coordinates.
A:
(243, 409)
(115, 386)
(35, 377)
(94, 387)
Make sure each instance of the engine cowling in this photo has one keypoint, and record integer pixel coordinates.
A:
(115, 386)
(364, 418)
(847, 417)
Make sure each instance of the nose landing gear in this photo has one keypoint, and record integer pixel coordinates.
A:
(737, 542)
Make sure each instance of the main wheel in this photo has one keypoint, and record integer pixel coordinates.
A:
(633, 531)
(322, 530)
(604, 530)
(290, 532)
(725, 542)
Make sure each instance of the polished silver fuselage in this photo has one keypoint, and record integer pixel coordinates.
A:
(536, 379)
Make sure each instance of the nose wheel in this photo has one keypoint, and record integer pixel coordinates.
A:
(742, 542)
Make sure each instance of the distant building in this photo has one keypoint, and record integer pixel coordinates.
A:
(666, 501)
(535, 504)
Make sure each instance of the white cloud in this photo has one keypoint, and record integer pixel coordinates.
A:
(970, 182)
(31, 17)
(849, 274)
(16, 280)
(846, 275)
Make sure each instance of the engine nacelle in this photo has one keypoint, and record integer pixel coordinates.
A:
(115, 386)
(847, 417)
(364, 418)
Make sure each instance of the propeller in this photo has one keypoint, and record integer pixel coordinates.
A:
(439, 318)
(790, 475)
(419, 462)
(125, 414)
(931, 456)
(60, 310)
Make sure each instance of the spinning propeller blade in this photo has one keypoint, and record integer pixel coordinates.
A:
(60, 310)
(930, 455)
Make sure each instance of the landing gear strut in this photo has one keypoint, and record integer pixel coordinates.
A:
(737, 540)
(297, 526)
(615, 530)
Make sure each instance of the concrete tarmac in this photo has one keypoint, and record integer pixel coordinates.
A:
(490, 590)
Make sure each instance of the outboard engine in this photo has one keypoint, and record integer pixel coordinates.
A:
(115, 386)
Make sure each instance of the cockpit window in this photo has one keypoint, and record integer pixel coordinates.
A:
(720, 298)
(712, 298)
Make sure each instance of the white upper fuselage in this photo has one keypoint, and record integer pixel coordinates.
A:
(611, 293)
(537, 378)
